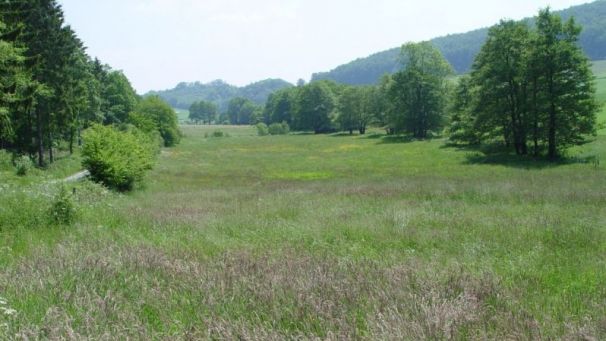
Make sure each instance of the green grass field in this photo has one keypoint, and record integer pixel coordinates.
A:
(317, 236)
(303, 236)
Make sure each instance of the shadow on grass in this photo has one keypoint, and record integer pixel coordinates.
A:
(374, 136)
(303, 133)
(500, 155)
(344, 134)
(394, 139)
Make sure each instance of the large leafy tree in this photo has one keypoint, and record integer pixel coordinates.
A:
(419, 92)
(203, 111)
(152, 113)
(500, 76)
(565, 82)
(528, 86)
(349, 107)
(240, 111)
(379, 103)
(119, 97)
(355, 108)
(314, 106)
(280, 106)
(463, 119)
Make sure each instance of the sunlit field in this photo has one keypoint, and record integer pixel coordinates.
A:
(331, 236)
(312, 236)
(446, 189)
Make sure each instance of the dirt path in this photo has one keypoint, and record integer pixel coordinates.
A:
(78, 176)
(73, 178)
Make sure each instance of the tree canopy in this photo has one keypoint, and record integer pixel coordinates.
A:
(419, 93)
(528, 86)
(50, 89)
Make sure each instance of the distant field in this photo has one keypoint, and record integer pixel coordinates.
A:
(182, 114)
(599, 69)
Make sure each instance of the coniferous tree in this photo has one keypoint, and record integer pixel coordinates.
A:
(49, 88)
(11, 60)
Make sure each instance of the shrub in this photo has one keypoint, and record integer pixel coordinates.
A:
(23, 164)
(152, 113)
(279, 128)
(262, 129)
(115, 158)
(217, 133)
(153, 136)
(62, 210)
(285, 128)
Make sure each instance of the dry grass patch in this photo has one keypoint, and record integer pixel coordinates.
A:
(144, 292)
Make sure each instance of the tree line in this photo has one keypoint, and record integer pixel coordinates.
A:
(219, 92)
(531, 88)
(50, 89)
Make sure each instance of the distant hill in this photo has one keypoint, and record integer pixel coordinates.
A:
(461, 49)
(219, 92)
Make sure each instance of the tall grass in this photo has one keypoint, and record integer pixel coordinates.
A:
(303, 236)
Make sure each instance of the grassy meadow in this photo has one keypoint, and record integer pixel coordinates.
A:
(304, 236)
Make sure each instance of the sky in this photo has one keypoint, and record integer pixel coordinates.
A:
(160, 43)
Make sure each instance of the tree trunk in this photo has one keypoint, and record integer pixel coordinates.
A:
(72, 136)
(536, 139)
(514, 131)
(552, 122)
(51, 156)
(39, 139)
(552, 132)
(350, 131)
(362, 130)
(535, 125)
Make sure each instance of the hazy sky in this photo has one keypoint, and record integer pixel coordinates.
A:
(159, 43)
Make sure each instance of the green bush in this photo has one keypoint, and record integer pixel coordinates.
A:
(279, 128)
(171, 136)
(23, 164)
(152, 113)
(262, 129)
(118, 159)
(218, 133)
(153, 136)
(62, 210)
